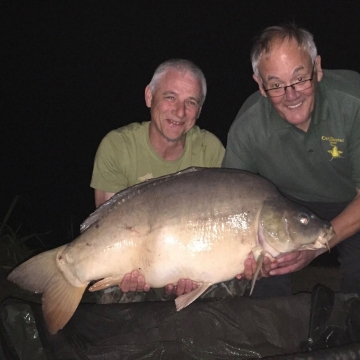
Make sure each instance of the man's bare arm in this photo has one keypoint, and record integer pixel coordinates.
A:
(101, 197)
(347, 223)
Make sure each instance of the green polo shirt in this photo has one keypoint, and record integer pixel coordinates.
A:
(322, 164)
(126, 157)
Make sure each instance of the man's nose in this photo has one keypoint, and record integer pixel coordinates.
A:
(290, 93)
(180, 109)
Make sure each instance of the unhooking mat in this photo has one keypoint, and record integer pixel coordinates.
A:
(321, 325)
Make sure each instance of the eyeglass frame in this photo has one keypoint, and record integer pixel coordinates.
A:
(291, 85)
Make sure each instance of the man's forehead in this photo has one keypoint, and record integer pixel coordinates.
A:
(174, 77)
(178, 73)
(280, 47)
(285, 55)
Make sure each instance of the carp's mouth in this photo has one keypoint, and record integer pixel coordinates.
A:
(321, 242)
(322, 239)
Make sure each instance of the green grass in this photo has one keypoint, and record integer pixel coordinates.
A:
(13, 247)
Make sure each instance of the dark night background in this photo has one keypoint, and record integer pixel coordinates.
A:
(73, 70)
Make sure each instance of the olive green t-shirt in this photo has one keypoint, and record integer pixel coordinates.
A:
(126, 157)
(322, 164)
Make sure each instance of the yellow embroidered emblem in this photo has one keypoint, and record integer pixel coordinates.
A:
(335, 153)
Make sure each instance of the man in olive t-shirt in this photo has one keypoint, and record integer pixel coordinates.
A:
(126, 156)
(168, 143)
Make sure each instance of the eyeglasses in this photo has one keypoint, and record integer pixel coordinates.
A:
(297, 86)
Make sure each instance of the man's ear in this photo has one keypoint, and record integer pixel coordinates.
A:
(319, 72)
(148, 96)
(199, 112)
(261, 87)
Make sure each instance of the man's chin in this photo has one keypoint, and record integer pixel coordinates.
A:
(298, 122)
(174, 138)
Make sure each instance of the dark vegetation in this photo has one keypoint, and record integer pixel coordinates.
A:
(16, 247)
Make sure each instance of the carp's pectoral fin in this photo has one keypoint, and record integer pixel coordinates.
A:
(259, 263)
(183, 301)
(104, 284)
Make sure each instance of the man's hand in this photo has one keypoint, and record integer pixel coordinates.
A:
(183, 286)
(250, 268)
(133, 282)
(294, 261)
(136, 282)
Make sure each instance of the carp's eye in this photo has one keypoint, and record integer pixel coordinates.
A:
(304, 219)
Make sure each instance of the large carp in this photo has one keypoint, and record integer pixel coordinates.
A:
(200, 223)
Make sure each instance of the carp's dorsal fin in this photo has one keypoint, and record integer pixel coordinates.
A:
(259, 262)
(128, 193)
(184, 300)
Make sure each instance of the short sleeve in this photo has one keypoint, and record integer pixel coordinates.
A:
(108, 172)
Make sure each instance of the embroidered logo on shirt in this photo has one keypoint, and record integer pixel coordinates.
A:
(335, 153)
(333, 142)
(145, 177)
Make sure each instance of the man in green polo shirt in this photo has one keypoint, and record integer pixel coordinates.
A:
(301, 130)
(168, 143)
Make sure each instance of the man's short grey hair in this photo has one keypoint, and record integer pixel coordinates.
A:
(282, 32)
(181, 65)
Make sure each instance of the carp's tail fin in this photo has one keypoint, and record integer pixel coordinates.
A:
(60, 299)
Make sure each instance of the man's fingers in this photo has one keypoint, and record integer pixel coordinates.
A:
(170, 289)
(282, 270)
(288, 268)
(129, 281)
(180, 288)
(299, 260)
(137, 282)
(288, 258)
(185, 286)
(133, 282)
(250, 267)
(188, 286)
(133, 286)
(266, 267)
(248, 272)
(125, 283)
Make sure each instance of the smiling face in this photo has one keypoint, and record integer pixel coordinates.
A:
(175, 105)
(285, 64)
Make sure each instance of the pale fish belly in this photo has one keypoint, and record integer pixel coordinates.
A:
(199, 253)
